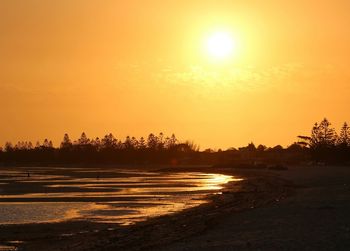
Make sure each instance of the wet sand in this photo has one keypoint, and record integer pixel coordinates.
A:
(62, 202)
(255, 191)
(315, 217)
(304, 208)
(99, 194)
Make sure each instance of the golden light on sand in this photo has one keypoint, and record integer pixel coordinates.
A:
(220, 45)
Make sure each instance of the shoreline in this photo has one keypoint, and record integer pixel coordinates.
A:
(255, 190)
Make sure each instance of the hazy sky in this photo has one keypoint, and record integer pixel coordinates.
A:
(135, 67)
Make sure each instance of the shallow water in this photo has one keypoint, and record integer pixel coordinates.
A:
(34, 195)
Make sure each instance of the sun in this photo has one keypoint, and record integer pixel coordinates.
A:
(220, 45)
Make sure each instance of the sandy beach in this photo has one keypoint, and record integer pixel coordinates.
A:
(315, 217)
(303, 208)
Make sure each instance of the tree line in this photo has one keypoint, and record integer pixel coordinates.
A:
(326, 145)
(323, 145)
(153, 149)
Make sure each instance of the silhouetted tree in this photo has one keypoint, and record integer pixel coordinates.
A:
(250, 148)
(127, 143)
(323, 135)
(277, 148)
(23, 145)
(96, 143)
(304, 141)
(66, 142)
(8, 147)
(109, 142)
(261, 148)
(343, 144)
(344, 136)
(209, 150)
(161, 142)
(295, 147)
(47, 144)
(134, 143)
(30, 145)
(188, 146)
(323, 141)
(83, 140)
(142, 143)
(152, 142)
(37, 145)
(172, 141)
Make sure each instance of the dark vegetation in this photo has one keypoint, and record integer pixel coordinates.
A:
(323, 146)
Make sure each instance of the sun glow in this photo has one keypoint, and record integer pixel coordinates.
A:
(220, 45)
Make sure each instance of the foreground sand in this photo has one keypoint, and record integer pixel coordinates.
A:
(316, 217)
(304, 208)
(255, 191)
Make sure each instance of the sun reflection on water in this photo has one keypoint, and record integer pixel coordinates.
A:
(122, 197)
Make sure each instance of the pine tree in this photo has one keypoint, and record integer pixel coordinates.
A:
(152, 141)
(323, 135)
(171, 143)
(314, 139)
(160, 141)
(96, 143)
(142, 143)
(83, 139)
(8, 147)
(344, 137)
(66, 142)
(134, 143)
(46, 143)
(109, 141)
(127, 143)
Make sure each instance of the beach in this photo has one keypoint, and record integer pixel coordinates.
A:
(302, 208)
(315, 217)
(40, 203)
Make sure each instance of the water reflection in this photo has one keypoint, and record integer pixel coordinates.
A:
(10, 245)
(101, 195)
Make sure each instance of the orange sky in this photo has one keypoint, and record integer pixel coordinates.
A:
(135, 67)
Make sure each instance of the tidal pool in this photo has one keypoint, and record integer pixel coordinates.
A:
(36, 195)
